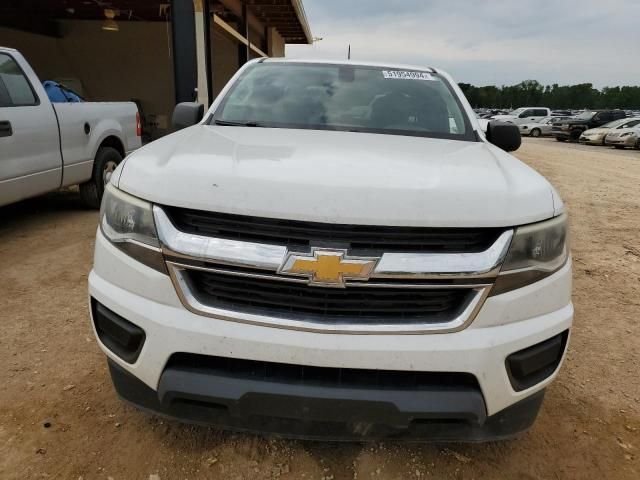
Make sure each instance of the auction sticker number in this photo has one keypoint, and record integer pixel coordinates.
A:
(406, 75)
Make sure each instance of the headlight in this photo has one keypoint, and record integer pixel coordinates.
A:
(127, 222)
(536, 251)
(626, 134)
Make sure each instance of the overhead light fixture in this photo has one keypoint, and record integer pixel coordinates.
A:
(109, 24)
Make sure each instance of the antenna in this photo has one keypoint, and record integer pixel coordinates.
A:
(349, 53)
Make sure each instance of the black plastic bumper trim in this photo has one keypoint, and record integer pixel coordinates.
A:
(534, 364)
(116, 333)
(313, 412)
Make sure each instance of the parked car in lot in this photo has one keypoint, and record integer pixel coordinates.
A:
(624, 138)
(324, 255)
(45, 146)
(543, 127)
(524, 115)
(596, 136)
(573, 128)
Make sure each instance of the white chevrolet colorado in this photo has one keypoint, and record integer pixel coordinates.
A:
(334, 250)
(46, 146)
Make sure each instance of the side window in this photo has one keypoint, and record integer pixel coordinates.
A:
(15, 90)
(632, 123)
(527, 113)
(540, 113)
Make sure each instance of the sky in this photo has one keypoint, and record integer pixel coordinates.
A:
(485, 42)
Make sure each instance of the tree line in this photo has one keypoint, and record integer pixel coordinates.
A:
(532, 93)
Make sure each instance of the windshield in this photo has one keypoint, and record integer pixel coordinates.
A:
(517, 111)
(615, 123)
(626, 123)
(344, 97)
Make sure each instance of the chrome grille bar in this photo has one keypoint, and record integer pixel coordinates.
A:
(391, 265)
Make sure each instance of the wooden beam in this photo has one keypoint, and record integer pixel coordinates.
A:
(237, 36)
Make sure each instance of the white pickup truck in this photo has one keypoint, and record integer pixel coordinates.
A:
(334, 250)
(46, 146)
(524, 115)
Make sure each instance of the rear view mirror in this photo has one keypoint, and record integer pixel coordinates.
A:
(504, 135)
(187, 114)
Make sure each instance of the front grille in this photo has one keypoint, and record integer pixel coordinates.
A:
(302, 234)
(321, 376)
(353, 304)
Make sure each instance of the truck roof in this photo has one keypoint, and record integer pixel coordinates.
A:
(358, 63)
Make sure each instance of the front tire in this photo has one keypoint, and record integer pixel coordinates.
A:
(536, 132)
(106, 161)
(575, 135)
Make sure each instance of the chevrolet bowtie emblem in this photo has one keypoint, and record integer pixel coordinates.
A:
(328, 267)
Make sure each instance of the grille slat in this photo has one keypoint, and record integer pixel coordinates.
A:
(295, 233)
(272, 297)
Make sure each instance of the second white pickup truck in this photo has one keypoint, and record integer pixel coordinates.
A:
(45, 146)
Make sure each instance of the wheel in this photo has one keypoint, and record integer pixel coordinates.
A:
(637, 145)
(575, 135)
(619, 147)
(106, 161)
(536, 132)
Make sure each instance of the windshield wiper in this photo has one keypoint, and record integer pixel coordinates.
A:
(226, 123)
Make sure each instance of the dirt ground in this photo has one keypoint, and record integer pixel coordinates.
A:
(60, 418)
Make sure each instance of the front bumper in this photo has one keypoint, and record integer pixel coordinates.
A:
(627, 142)
(506, 324)
(596, 139)
(347, 414)
(562, 134)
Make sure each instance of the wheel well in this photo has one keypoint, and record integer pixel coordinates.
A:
(113, 142)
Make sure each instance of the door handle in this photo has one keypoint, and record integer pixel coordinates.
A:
(5, 128)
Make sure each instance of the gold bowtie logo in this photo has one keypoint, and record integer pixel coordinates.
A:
(328, 267)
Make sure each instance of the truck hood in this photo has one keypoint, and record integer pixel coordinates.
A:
(504, 117)
(575, 122)
(338, 177)
(597, 131)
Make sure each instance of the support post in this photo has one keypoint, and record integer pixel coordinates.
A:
(203, 51)
(206, 14)
(185, 65)
(243, 50)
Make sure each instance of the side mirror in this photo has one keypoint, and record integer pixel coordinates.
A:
(504, 135)
(187, 114)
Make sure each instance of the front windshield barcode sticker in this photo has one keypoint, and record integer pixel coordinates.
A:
(406, 75)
